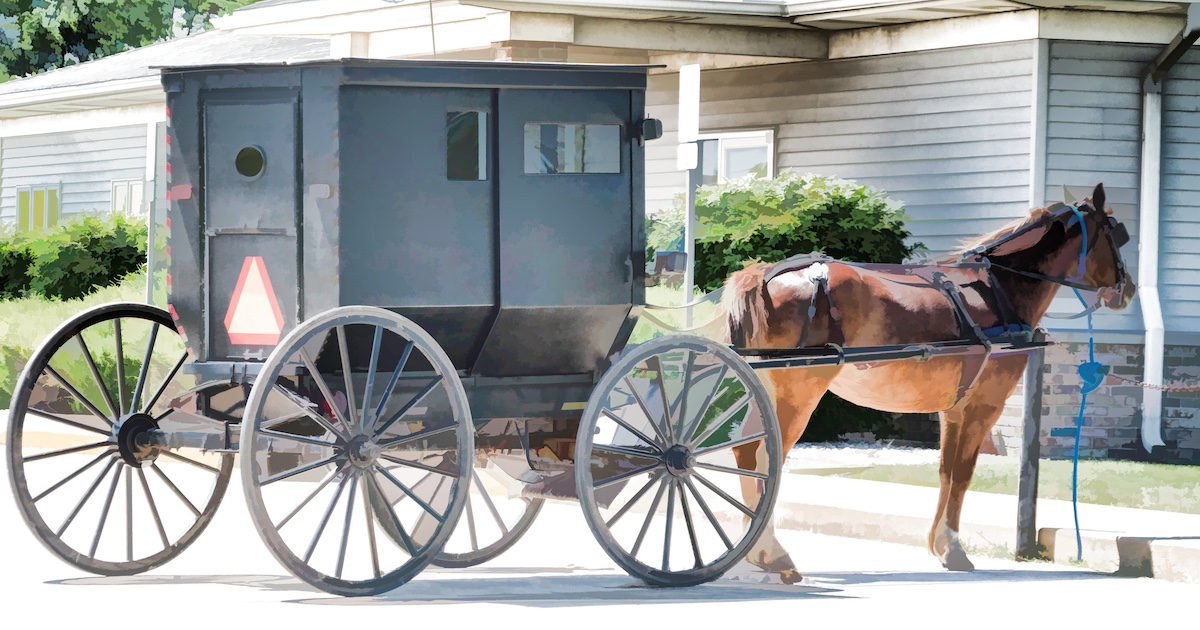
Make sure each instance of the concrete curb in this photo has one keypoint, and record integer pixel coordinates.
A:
(1176, 559)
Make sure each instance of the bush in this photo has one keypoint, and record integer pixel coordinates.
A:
(72, 260)
(769, 220)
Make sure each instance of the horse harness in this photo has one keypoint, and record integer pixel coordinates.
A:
(1011, 330)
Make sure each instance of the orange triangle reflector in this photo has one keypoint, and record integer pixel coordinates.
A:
(254, 318)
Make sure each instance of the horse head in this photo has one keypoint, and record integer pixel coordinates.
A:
(1103, 266)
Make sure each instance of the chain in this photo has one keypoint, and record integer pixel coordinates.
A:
(1165, 388)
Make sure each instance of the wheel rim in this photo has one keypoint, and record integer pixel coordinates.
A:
(492, 520)
(87, 490)
(663, 492)
(333, 488)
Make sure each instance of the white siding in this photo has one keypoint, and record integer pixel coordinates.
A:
(84, 162)
(1093, 135)
(1179, 271)
(946, 132)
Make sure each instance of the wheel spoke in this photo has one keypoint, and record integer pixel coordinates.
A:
(629, 427)
(721, 493)
(408, 406)
(71, 476)
(302, 405)
(346, 526)
(368, 391)
(324, 387)
(690, 429)
(141, 382)
(391, 386)
(691, 527)
(708, 513)
(321, 486)
(720, 422)
(471, 523)
(646, 411)
(348, 380)
(303, 469)
(181, 458)
(120, 364)
(112, 490)
(616, 517)
(412, 437)
(626, 451)
(78, 396)
(666, 563)
(175, 489)
(424, 506)
(370, 515)
(129, 515)
(70, 423)
(312, 546)
(162, 532)
(488, 500)
(738, 442)
(625, 475)
(303, 439)
(91, 363)
(733, 471)
(391, 512)
(166, 381)
(683, 394)
(655, 364)
(418, 465)
(637, 544)
(67, 451)
(87, 495)
(274, 422)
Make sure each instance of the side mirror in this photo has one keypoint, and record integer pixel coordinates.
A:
(652, 129)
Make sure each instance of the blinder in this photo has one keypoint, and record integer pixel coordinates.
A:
(1117, 232)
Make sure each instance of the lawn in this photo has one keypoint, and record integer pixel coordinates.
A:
(25, 323)
(1122, 484)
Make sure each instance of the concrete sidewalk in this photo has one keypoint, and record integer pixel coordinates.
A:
(1128, 541)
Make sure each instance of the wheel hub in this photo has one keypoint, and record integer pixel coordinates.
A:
(363, 451)
(127, 430)
(679, 460)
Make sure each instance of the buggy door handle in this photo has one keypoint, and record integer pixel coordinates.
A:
(629, 270)
(249, 231)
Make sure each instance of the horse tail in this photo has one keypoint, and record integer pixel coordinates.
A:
(745, 306)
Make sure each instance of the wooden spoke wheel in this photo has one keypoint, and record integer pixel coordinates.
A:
(91, 493)
(354, 407)
(656, 461)
(492, 522)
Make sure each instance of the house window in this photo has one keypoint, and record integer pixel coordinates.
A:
(552, 148)
(37, 207)
(728, 156)
(127, 196)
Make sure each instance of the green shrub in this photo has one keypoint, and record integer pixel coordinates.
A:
(72, 260)
(768, 220)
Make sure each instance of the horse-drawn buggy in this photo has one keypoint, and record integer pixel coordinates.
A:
(401, 292)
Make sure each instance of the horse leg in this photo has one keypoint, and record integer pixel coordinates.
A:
(951, 422)
(795, 394)
(978, 418)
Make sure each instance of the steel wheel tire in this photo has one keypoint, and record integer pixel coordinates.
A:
(628, 451)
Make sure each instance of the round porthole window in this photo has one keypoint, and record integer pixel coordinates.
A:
(250, 162)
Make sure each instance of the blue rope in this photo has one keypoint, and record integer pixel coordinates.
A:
(1091, 375)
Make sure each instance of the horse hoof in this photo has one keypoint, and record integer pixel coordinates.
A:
(790, 576)
(957, 560)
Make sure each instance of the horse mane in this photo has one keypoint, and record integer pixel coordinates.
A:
(967, 245)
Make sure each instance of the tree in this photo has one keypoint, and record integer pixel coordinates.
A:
(40, 35)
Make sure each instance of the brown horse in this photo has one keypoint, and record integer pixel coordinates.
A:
(1025, 264)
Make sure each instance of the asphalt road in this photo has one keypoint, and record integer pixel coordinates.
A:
(558, 577)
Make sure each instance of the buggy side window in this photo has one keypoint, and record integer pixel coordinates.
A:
(466, 146)
(554, 148)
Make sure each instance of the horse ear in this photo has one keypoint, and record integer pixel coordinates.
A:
(1098, 198)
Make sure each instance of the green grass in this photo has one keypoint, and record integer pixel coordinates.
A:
(673, 296)
(25, 324)
(1122, 484)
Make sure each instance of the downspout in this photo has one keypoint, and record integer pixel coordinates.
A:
(1148, 223)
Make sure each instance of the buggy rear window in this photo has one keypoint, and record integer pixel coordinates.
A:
(556, 148)
(466, 146)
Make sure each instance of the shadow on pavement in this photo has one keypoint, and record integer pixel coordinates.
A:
(948, 577)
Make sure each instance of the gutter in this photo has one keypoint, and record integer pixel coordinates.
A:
(1148, 223)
